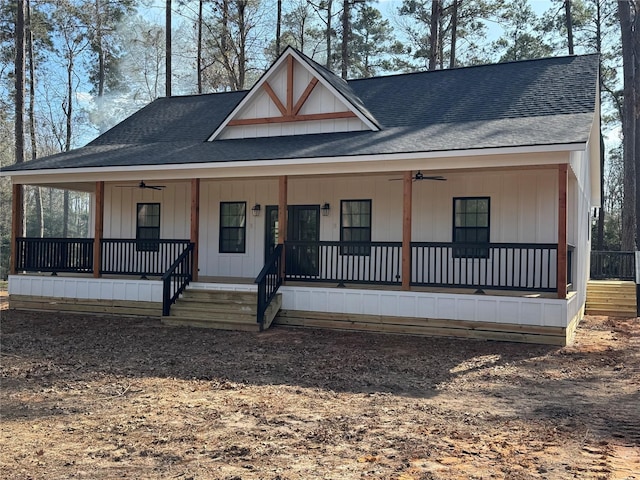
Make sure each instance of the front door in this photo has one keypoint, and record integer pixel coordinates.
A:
(303, 225)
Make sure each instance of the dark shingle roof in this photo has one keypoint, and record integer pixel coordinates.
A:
(536, 102)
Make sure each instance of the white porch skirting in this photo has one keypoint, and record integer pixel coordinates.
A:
(507, 313)
(86, 288)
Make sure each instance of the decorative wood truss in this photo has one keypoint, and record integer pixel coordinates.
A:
(290, 111)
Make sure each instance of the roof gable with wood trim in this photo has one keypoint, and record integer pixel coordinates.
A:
(296, 96)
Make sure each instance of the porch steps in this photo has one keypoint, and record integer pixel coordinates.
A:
(220, 309)
(611, 297)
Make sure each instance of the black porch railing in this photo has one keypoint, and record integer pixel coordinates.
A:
(612, 265)
(498, 266)
(176, 278)
(355, 262)
(139, 257)
(269, 281)
(54, 255)
(508, 266)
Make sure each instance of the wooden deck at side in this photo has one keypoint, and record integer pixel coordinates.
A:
(612, 298)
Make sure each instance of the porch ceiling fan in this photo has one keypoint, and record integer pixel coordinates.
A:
(143, 185)
(420, 176)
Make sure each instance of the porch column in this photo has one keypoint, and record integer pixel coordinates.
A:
(282, 218)
(561, 267)
(407, 186)
(195, 223)
(99, 229)
(17, 221)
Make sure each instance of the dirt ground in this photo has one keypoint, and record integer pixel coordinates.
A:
(109, 397)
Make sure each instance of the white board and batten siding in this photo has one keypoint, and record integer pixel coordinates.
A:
(523, 209)
(120, 209)
(212, 193)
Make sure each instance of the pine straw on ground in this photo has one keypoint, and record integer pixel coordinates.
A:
(111, 397)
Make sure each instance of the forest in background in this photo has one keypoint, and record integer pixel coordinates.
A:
(71, 69)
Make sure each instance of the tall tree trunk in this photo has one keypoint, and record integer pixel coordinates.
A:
(242, 47)
(100, 47)
(278, 27)
(454, 33)
(168, 49)
(628, 21)
(199, 54)
(37, 193)
(19, 98)
(328, 39)
(569, 24)
(345, 38)
(601, 211)
(19, 81)
(434, 40)
(67, 144)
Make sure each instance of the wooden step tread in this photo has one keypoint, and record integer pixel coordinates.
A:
(219, 325)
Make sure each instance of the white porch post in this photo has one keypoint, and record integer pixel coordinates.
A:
(407, 185)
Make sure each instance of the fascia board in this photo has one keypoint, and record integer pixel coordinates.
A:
(426, 161)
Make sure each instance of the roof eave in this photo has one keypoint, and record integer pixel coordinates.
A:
(503, 157)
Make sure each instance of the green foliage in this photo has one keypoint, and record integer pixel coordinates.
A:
(371, 43)
(520, 41)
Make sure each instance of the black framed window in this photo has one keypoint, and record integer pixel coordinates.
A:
(471, 226)
(233, 227)
(148, 227)
(355, 225)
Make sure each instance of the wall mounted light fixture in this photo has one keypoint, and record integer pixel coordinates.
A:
(325, 209)
(255, 210)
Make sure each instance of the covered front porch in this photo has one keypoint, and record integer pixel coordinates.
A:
(402, 271)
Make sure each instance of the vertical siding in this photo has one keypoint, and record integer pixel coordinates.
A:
(120, 209)
(523, 205)
(243, 265)
(579, 233)
(523, 209)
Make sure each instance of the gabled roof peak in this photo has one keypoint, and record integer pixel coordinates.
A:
(296, 96)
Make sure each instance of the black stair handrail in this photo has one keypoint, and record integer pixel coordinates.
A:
(176, 278)
(269, 280)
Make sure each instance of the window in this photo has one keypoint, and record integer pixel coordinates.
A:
(471, 225)
(355, 225)
(233, 227)
(148, 227)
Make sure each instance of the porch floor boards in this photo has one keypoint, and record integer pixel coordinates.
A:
(368, 286)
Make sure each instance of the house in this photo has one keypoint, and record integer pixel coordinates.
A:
(452, 202)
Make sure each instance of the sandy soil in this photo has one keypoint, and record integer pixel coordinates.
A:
(109, 397)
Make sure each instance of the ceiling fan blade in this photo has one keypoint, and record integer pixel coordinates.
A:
(155, 187)
(436, 177)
